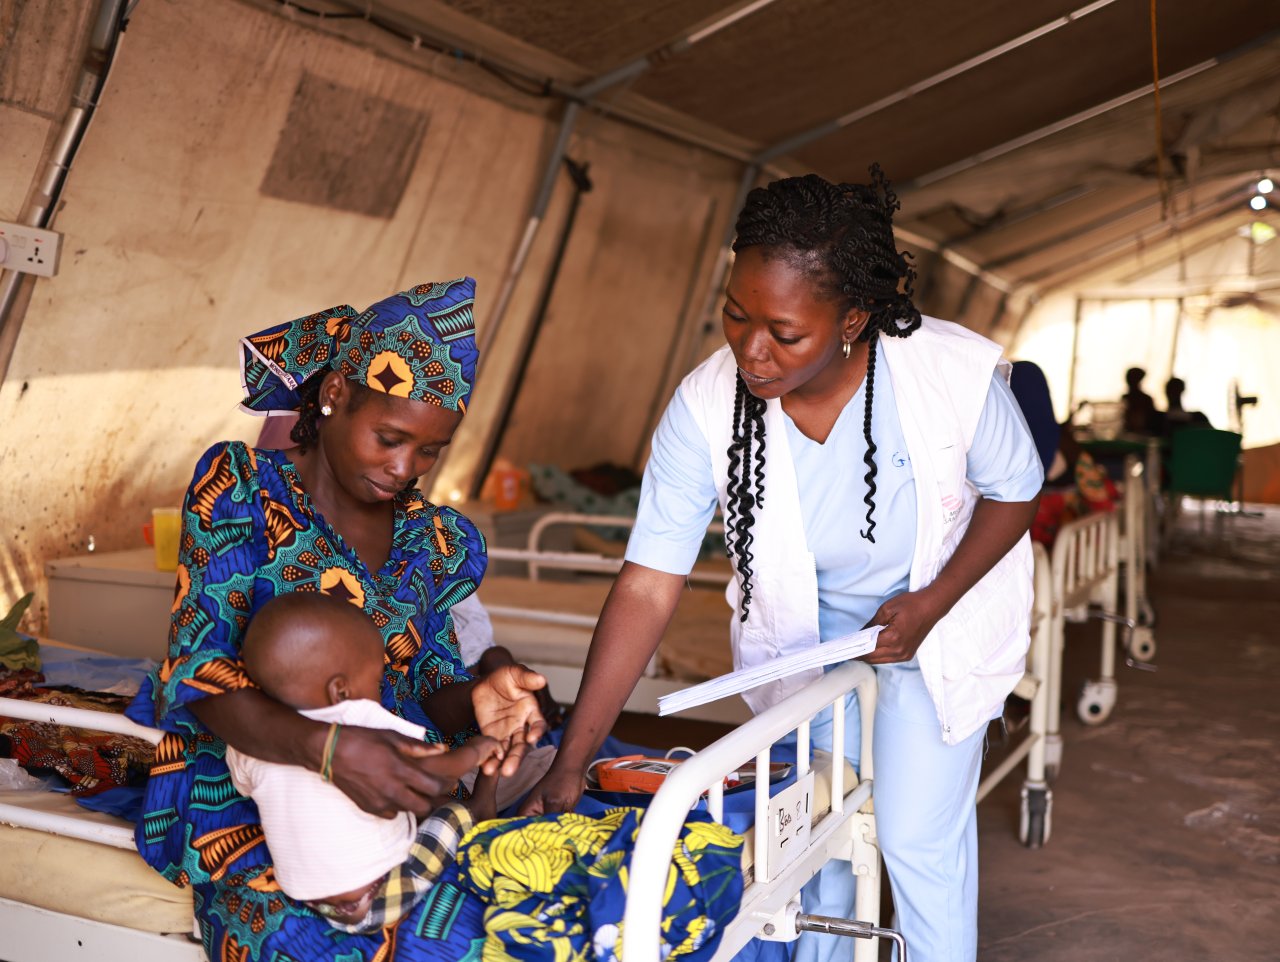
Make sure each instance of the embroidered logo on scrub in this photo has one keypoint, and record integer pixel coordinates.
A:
(899, 460)
(951, 506)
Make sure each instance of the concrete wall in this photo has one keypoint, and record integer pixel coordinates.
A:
(222, 189)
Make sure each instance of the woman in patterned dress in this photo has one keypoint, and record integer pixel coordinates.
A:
(380, 395)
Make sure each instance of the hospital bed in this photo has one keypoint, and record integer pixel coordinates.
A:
(548, 625)
(1085, 583)
(780, 856)
(73, 885)
(546, 619)
(1034, 822)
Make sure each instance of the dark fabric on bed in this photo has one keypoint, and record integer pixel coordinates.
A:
(88, 762)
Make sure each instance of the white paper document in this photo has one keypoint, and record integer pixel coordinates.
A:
(744, 679)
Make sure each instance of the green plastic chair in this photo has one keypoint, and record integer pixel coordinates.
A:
(1203, 464)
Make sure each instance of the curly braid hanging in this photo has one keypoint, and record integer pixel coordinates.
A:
(306, 432)
(841, 236)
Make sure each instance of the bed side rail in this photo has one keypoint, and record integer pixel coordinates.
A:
(537, 558)
(117, 836)
(1085, 555)
(765, 897)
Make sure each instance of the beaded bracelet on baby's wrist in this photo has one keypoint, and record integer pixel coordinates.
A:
(330, 746)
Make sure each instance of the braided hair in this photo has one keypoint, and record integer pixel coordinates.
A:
(306, 432)
(841, 237)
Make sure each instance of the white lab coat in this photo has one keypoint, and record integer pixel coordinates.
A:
(975, 655)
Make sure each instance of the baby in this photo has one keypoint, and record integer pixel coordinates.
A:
(324, 657)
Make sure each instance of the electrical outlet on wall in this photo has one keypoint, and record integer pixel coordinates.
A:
(29, 249)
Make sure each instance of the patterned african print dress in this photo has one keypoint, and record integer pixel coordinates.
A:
(250, 533)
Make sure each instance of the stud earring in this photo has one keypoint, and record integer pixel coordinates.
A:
(327, 409)
(847, 348)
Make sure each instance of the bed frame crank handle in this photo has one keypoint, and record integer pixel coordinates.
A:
(852, 928)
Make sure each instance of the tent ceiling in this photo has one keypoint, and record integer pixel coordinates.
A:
(1029, 214)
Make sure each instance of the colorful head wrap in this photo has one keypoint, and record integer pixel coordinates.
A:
(418, 344)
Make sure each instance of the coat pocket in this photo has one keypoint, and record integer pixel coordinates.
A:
(977, 633)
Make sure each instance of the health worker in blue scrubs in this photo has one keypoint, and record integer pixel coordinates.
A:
(873, 468)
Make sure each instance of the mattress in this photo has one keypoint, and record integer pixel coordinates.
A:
(86, 879)
(694, 648)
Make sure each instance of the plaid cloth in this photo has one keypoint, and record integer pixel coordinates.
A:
(431, 853)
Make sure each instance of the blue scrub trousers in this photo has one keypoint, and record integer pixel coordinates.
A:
(926, 820)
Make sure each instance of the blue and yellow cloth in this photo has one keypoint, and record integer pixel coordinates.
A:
(556, 887)
(419, 344)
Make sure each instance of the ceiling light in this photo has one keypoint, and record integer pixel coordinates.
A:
(1266, 186)
(1257, 202)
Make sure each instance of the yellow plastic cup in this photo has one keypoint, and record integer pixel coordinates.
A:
(167, 531)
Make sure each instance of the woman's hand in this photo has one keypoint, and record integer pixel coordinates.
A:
(386, 773)
(557, 791)
(498, 657)
(908, 618)
(996, 526)
(506, 707)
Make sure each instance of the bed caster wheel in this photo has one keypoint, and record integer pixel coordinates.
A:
(1036, 821)
(1097, 698)
(1142, 644)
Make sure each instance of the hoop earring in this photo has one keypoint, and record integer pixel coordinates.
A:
(327, 409)
(847, 348)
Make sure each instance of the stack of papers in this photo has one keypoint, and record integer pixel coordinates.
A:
(744, 679)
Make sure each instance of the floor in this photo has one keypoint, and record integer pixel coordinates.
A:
(1166, 819)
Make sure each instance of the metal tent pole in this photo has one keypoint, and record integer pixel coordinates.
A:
(1081, 263)
(577, 97)
(104, 41)
(1075, 119)
(831, 126)
(510, 389)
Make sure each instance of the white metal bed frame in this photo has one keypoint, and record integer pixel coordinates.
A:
(562, 677)
(536, 558)
(770, 905)
(1136, 548)
(29, 933)
(1034, 823)
(771, 902)
(1085, 569)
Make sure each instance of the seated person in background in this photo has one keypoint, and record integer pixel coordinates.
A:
(1075, 485)
(1139, 409)
(1031, 389)
(1176, 417)
(324, 658)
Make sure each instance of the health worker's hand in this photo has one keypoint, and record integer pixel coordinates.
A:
(506, 707)
(908, 618)
(557, 791)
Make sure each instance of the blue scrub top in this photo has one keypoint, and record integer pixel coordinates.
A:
(678, 495)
